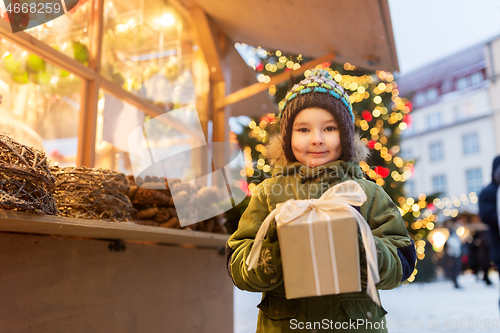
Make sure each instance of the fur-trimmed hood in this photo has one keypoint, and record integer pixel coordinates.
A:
(276, 154)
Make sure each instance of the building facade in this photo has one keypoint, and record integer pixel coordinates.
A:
(453, 135)
(493, 73)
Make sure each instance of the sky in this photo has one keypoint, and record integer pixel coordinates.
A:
(428, 30)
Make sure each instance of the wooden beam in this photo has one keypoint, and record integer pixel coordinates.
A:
(207, 43)
(275, 80)
(44, 51)
(181, 9)
(201, 77)
(220, 129)
(13, 221)
(90, 90)
(96, 34)
(219, 116)
(211, 49)
(385, 14)
(87, 124)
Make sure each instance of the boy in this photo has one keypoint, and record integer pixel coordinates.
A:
(318, 149)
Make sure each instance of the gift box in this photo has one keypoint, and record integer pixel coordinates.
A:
(319, 243)
(320, 257)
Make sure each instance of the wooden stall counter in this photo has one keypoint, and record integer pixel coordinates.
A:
(73, 275)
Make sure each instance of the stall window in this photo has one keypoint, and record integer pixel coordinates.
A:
(68, 33)
(148, 50)
(119, 148)
(40, 104)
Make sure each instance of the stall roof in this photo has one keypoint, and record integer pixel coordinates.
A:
(357, 31)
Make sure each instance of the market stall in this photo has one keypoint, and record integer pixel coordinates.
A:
(76, 88)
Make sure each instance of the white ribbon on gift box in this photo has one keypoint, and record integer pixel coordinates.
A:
(340, 197)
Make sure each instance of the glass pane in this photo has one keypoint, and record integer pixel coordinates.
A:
(67, 33)
(148, 50)
(118, 122)
(40, 104)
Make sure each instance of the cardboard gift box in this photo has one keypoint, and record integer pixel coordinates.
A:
(319, 243)
(320, 257)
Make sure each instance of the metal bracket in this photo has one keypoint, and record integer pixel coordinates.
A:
(116, 245)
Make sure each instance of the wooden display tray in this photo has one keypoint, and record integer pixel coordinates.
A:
(14, 221)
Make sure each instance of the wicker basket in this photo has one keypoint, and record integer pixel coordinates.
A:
(26, 183)
(92, 194)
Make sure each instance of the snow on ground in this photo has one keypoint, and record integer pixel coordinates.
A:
(422, 308)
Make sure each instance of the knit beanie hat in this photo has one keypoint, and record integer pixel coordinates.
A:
(319, 90)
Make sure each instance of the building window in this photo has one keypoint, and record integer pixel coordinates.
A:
(427, 96)
(446, 87)
(470, 143)
(420, 98)
(432, 94)
(436, 151)
(474, 180)
(409, 131)
(476, 78)
(459, 111)
(464, 111)
(434, 120)
(406, 154)
(463, 82)
(439, 184)
(469, 109)
(409, 187)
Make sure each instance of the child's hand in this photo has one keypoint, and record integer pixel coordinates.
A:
(270, 256)
(362, 261)
(272, 233)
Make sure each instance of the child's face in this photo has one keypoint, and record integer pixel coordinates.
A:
(315, 137)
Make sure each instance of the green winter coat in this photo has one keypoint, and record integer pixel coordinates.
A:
(332, 313)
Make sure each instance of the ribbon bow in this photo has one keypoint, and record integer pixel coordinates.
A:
(340, 197)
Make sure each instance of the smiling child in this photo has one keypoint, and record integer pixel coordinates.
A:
(317, 149)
